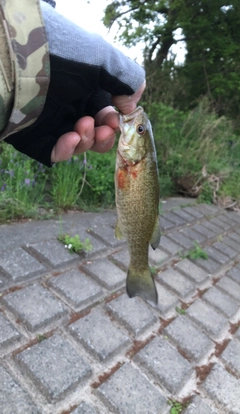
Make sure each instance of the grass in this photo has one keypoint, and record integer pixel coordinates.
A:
(74, 244)
(196, 253)
(176, 406)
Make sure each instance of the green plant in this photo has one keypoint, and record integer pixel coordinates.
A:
(180, 310)
(176, 406)
(74, 244)
(196, 253)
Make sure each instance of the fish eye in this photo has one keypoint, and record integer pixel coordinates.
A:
(141, 129)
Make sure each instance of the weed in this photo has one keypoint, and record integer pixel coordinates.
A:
(196, 253)
(176, 406)
(180, 310)
(74, 244)
(40, 337)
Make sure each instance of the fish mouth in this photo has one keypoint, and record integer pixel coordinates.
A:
(130, 117)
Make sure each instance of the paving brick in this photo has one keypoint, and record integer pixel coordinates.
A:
(89, 331)
(229, 286)
(128, 391)
(54, 366)
(189, 338)
(179, 238)
(208, 224)
(238, 334)
(107, 235)
(209, 265)
(8, 333)
(234, 216)
(219, 223)
(207, 209)
(157, 256)
(176, 282)
(13, 398)
(166, 300)
(165, 364)
(192, 271)
(204, 231)
(193, 235)
(34, 306)
(121, 258)
(199, 406)
(235, 237)
(228, 220)
(194, 212)
(86, 408)
(225, 223)
(165, 224)
(221, 301)
(106, 273)
(19, 265)
(234, 273)
(174, 218)
(216, 255)
(224, 389)
(97, 245)
(223, 248)
(133, 313)
(188, 218)
(77, 289)
(231, 356)
(52, 252)
(169, 246)
(207, 317)
(231, 243)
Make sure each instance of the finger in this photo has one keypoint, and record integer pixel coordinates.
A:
(108, 116)
(65, 147)
(104, 139)
(127, 104)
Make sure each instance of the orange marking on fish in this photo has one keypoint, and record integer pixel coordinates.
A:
(134, 173)
(121, 178)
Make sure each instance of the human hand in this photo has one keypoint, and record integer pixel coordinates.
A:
(95, 134)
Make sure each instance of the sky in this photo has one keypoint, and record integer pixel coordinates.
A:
(89, 16)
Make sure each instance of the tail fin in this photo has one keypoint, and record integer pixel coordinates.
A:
(141, 284)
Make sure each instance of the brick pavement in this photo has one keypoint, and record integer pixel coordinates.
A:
(71, 341)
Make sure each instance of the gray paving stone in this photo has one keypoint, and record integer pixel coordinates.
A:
(179, 238)
(204, 231)
(221, 301)
(235, 237)
(234, 273)
(229, 286)
(228, 220)
(97, 245)
(199, 406)
(127, 391)
(34, 306)
(85, 408)
(192, 271)
(209, 265)
(219, 223)
(164, 363)
(174, 218)
(207, 209)
(234, 216)
(2, 282)
(54, 366)
(224, 389)
(19, 265)
(157, 256)
(189, 338)
(238, 334)
(194, 212)
(231, 356)
(107, 235)
(8, 333)
(176, 282)
(166, 300)
(106, 273)
(169, 246)
(134, 314)
(89, 331)
(207, 317)
(231, 243)
(52, 252)
(121, 258)
(208, 224)
(77, 289)
(165, 224)
(223, 248)
(216, 255)
(13, 398)
(188, 218)
(193, 235)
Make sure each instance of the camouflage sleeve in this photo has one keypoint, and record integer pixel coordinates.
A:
(24, 65)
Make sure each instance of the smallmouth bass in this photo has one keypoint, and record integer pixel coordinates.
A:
(137, 200)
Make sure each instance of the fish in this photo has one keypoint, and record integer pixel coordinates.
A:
(137, 200)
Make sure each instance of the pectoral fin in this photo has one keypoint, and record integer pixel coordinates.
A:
(141, 283)
(118, 232)
(155, 240)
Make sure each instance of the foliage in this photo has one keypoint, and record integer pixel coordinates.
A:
(176, 406)
(196, 253)
(74, 244)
